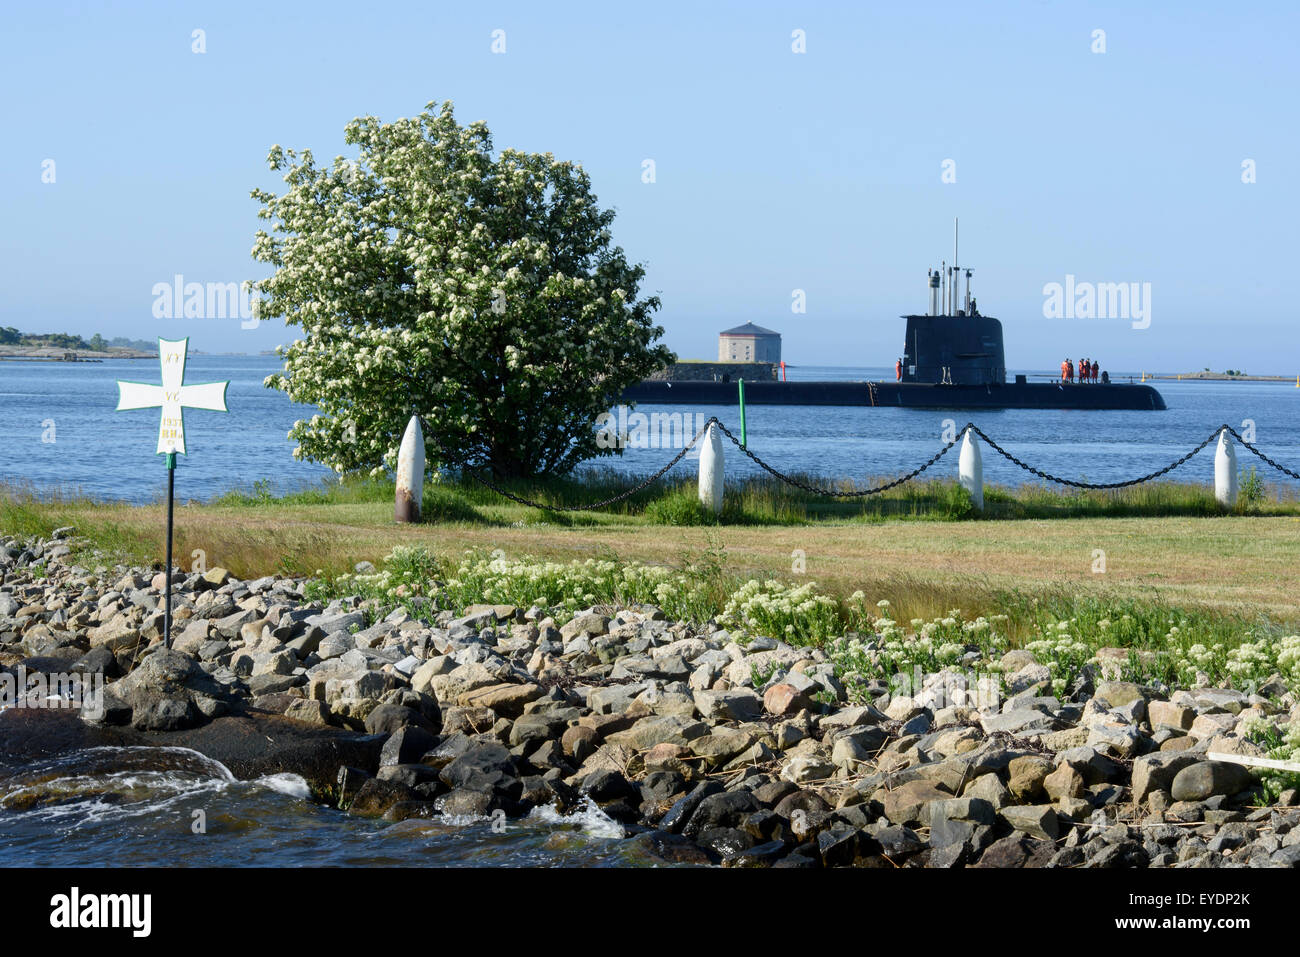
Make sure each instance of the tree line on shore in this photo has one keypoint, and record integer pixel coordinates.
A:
(9, 336)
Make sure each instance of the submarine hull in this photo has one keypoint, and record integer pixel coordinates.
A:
(907, 395)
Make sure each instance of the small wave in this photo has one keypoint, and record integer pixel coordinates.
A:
(293, 785)
(102, 782)
(589, 818)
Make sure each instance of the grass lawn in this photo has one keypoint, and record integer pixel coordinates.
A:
(1164, 544)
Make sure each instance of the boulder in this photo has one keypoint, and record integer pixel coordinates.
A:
(1205, 779)
(909, 803)
(785, 699)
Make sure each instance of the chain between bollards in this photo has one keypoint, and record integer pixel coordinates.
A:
(969, 429)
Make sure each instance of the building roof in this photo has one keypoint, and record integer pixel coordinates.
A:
(749, 329)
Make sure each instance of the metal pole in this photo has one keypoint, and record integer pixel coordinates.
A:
(167, 574)
(744, 440)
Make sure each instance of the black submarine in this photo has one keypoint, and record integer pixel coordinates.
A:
(953, 358)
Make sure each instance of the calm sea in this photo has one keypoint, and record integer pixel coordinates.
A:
(60, 430)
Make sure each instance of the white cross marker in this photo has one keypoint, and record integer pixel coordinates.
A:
(173, 395)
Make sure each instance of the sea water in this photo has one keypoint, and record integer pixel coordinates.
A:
(60, 431)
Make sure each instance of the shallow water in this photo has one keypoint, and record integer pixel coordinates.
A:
(131, 807)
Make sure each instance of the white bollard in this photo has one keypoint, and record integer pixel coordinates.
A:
(1225, 472)
(711, 470)
(970, 470)
(410, 473)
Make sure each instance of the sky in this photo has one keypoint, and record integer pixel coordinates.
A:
(1112, 157)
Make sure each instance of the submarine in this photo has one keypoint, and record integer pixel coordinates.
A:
(953, 358)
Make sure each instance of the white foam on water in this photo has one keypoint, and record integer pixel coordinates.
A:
(588, 818)
(140, 780)
(294, 785)
(458, 820)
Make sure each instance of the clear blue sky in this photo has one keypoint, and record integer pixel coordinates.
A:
(775, 171)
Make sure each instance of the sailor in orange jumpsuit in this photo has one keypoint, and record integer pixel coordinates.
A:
(1065, 373)
(1096, 370)
(1083, 371)
(1069, 370)
(898, 370)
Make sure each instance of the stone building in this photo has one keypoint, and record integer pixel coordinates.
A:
(749, 343)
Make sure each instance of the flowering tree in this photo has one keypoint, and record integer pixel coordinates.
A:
(428, 277)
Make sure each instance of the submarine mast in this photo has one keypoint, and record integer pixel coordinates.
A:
(952, 344)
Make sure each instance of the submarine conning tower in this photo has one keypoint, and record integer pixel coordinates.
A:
(952, 343)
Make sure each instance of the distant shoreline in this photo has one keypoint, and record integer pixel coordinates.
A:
(58, 354)
(1223, 377)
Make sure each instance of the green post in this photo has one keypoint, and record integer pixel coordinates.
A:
(744, 438)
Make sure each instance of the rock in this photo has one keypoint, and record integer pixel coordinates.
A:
(1019, 722)
(467, 803)
(579, 742)
(838, 845)
(681, 812)
(659, 729)
(1015, 659)
(192, 637)
(97, 661)
(973, 809)
(1026, 776)
(214, 577)
(1093, 766)
(482, 766)
(1156, 772)
(168, 691)
(854, 717)
(607, 785)
(761, 855)
(1017, 851)
(987, 787)
(507, 700)
(1210, 725)
(376, 796)
(585, 624)
(535, 728)
(738, 705)
(308, 711)
(1205, 779)
(721, 745)
(407, 745)
(670, 848)
(1124, 742)
(1118, 694)
(1036, 820)
(1064, 782)
(727, 809)
(1169, 715)
(725, 842)
(785, 699)
(907, 803)
(616, 699)
(806, 768)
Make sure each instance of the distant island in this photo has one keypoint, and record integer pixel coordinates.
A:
(68, 347)
(1225, 376)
